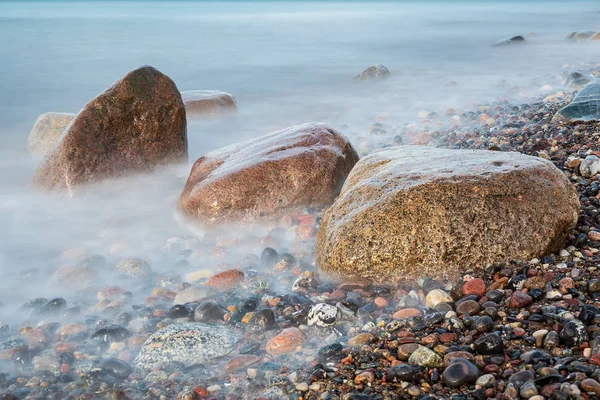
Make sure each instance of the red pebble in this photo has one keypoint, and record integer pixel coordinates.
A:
(474, 286)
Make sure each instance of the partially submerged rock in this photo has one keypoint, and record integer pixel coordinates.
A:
(583, 36)
(301, 166)
(208, 103)
(577, 79)
(512, 41)
(584, 107)
(134, 126)
(413, 211)
(46, 131)
(373, 72)
(188, 343)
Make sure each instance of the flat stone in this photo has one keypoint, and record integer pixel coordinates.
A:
(189, 343)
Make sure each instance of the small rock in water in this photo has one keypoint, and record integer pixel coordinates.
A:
(511, 41)
(134, 267)
(285, 342)
(400, 373)
(323, 315)
(189, 343)
(373, 72)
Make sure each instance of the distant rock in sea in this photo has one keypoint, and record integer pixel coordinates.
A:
(203, 103)
(583, 36)
(512, 41)
(46, 131)
(412, 211)
(301, 166)
(372, 73)
(134, 126)
(577, 79)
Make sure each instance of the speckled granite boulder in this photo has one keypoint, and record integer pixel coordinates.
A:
(134, 126)
(188, 343)
(199, 103)
(411, 211)
(262, 178)
(46, 131)
(584, 107)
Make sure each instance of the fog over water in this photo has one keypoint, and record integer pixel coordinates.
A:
(285, 63)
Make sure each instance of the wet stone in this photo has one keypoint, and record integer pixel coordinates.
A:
(331, 351)
(323, 315)
(400, 373)
(460, 372)
(425, 357)
(188, 343)
(208, 311)
(117, 368)
(468, 307)
(262, 320)
(574, 333)
(519, 378)
(489, 344)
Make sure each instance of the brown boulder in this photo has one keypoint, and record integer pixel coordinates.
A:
(208, 103)
(134, 126)
(413, 211)
(46, 131)
(301, 166)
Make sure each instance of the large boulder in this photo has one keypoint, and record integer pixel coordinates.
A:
(134, 126)
(186, 342)
(46, 131)
(412, 211)
(301, 166)
(584, 107)
(199, 103)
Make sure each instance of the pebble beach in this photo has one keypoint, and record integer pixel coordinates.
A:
(454, 255)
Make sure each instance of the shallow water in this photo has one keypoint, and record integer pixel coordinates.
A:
(285, 62)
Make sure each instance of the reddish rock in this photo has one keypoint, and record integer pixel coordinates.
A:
(595, 359)
(590, 386)
(199, 103)
(520, 300)
(448, 337)
(134, 126)
(225, 280)
(285, 342)
(267, 177)
(240, 362)
(474, 286)
(407, 313)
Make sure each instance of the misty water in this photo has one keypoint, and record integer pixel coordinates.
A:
(285, 62)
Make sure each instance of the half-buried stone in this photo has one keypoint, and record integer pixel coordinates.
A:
(262, 178)
(584, 107)
(200, 103)
(413, 211)
(46, 131)
(136, 125)
(188, 343)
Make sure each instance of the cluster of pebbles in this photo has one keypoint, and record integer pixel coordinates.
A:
(263, 324)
